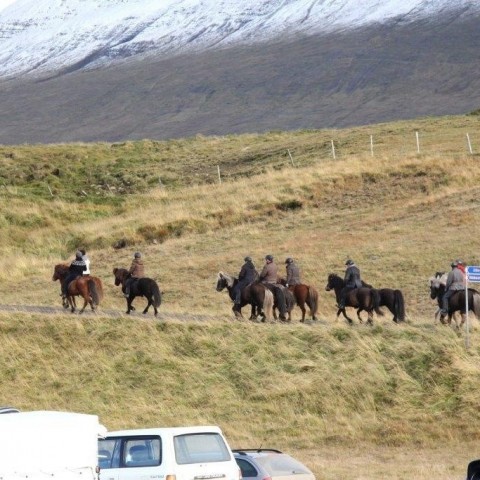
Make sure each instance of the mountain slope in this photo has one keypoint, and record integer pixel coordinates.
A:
(368, 75)
(39, 36)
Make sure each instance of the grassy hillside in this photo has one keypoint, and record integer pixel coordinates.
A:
(332, 394)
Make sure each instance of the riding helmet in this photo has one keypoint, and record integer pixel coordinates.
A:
(289, 260)
(349, 262)
(138, 255)
(78, 254)
(269, 258)
(454, 264)
(247, 259)
(459, 262)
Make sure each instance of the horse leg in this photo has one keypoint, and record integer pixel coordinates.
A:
(370, 317)
(148, 306)
(304, 311)
(343, 311)
(358, 315)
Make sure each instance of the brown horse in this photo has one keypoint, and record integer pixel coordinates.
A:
(304, 294)
(88, 287)
(256, 294)
(363, 298)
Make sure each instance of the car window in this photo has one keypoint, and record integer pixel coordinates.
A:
(281, 464)
(108, 453)
(200, 447)
(248, 470)
(142, 452)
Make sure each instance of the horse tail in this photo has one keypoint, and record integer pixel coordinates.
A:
(157, 296)
(280, 301)
(476, 304)
(92, 288)
(268, 304)
(376, 301)
(399, 305)
(99, 286)
(312, 300)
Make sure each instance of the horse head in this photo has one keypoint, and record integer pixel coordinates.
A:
(437, 284)
(59, 272)
(333, 281)
(120, 275)
(224, 281)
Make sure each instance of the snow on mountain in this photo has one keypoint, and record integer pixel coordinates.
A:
(41, 36)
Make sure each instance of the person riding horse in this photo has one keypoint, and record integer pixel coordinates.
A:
(76, 269)
(269, 278)
(269, 273)
(136, 271)
(247, 275)
(293, 273)
(352, 280)
(455, 282)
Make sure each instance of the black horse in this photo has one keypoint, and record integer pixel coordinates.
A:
(394, 301)
(456, 302)
(363, 298)
(255, 294)
(141, 287)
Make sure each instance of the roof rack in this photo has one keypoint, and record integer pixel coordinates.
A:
(244, 451)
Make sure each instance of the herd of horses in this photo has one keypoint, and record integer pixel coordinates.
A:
(265, 300)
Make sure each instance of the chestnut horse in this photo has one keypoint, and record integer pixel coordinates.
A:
(88, 287)
(256, 294)
(363, 298)
(304, 294)
(139, 287)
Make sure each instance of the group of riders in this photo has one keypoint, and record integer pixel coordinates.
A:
(269, 276)
(81, 266)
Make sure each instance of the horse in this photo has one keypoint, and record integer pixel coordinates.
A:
(304, 294)
(456, 302)
(255, 294)
(289, 300)
(139, 287)
(394, 301)
(90, 288)
(362, 298)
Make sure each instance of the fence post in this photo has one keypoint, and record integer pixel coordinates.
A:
(333, 151)
(219, 177)
(290, 155)
(371, 145)
(418, 142)
(469, 144)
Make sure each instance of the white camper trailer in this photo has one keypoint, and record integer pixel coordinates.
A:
(44, 444)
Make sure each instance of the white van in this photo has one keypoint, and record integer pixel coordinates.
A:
(46, 444)
(179, 453)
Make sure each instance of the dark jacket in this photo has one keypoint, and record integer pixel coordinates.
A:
(247, 274)
(269, 273)
(77, 267)
(137, 269)
(293, 274)
(352, 277)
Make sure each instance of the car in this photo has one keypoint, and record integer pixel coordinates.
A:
(270, 464)
(473, 470)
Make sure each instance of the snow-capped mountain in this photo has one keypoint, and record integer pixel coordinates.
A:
(43, 36)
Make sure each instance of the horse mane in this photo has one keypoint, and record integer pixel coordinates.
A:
(440, 278)
(229, 278)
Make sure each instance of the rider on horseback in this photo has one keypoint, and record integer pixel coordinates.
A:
(76, 269)
(247, 275)
(293, 272)
(269, 273)
(352, 280)
(455, 282)
(136, 271)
